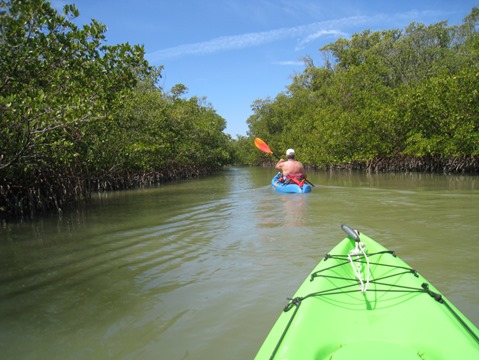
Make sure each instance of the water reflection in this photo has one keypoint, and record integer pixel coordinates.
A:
(423, 181)
(286, 210)
(294, 208)
(201, 269)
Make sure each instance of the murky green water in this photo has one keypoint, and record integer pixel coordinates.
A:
(201, 269)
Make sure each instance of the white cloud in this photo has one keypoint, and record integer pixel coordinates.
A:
(314, 36)
(304, 33)
(289, 63)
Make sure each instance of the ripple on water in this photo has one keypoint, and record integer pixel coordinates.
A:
(201, 269)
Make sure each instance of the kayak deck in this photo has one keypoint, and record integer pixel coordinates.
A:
(369, 305)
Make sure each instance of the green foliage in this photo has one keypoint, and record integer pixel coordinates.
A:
(78, 115)
(57, 82)
(384, 94)
(245, 152)
(443, 112)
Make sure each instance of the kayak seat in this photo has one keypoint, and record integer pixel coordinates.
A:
(297, 179)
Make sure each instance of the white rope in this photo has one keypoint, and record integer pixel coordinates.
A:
(358, 251)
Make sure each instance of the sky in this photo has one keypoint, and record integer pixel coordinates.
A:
(233, 52)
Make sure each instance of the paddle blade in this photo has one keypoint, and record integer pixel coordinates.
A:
(260, 144)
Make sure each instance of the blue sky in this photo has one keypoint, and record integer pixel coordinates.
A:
(234, 52)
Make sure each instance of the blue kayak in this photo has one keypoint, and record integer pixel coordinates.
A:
(291, 187)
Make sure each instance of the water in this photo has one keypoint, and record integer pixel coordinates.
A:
(201, 269)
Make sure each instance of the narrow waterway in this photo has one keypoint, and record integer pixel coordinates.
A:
(201, 269)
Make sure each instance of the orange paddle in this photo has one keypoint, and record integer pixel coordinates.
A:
(260, 144)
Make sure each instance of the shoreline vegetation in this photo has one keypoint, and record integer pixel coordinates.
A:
(465, 165)
(428, 164)
(395, 100)
(79, 116)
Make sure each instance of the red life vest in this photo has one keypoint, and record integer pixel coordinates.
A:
(297, 179)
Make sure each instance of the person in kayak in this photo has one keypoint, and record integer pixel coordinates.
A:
(291, 169)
